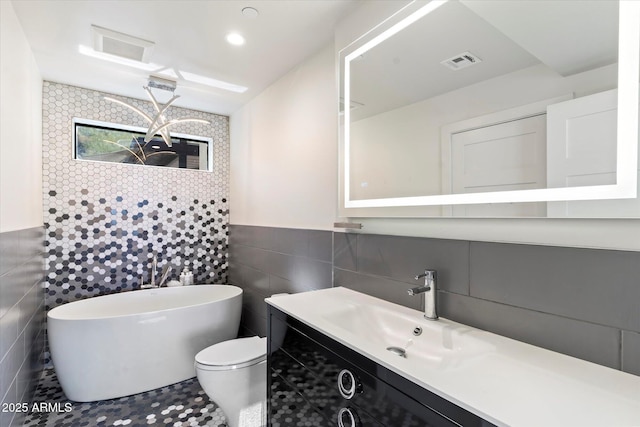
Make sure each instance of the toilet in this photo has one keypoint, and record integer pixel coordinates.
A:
(234, 375)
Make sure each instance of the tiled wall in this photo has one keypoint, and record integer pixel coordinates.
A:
(265, 261)
(581, 302)
(21, 317)
(103, 221)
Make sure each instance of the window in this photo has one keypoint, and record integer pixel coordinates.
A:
(108, 142)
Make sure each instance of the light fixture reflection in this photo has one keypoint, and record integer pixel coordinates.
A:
(207, 81)
(162, 70)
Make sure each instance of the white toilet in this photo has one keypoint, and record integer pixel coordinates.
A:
(234, 375)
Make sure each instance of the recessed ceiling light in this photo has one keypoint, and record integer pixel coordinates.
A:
(235, 39)
(250, 12)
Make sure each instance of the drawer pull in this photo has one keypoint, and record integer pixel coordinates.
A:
(350, 417)
(348, 385)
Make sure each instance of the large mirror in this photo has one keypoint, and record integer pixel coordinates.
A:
(525, 108)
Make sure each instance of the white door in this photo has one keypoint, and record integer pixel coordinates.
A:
(500, 157)
(581, 151)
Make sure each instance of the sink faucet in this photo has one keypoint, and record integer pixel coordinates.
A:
(429, 289)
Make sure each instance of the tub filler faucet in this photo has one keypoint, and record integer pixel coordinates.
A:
(430, 290)
(154, 267)
(164, 275)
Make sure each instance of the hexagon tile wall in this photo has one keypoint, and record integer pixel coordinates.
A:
(104, 221)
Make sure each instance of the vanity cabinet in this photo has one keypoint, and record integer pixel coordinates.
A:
(316, 381)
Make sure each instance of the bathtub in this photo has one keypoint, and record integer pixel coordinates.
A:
(117, 345)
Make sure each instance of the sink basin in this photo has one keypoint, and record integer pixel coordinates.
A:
(407, 334)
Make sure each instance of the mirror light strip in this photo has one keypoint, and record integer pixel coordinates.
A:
(627, 147)
(628, 90)
(420, 13)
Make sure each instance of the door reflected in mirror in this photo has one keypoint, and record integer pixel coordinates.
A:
(482, 101)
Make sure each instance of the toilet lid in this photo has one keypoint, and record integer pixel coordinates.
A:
(233, 352)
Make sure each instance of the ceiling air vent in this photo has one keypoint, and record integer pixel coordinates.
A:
(463, 60)
(119, 44)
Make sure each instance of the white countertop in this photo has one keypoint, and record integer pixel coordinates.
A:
(509, 384)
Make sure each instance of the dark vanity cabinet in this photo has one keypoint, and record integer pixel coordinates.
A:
(315, 381)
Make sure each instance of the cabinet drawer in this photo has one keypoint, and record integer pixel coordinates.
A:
(288, 408)
(375, 402)
(323, 396)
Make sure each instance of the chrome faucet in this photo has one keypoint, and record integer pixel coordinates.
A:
(430, 290)
(154, 266)
(164, 275)
(166, 270)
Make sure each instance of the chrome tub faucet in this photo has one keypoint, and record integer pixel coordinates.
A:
(154, 267)
(430, 290)
(164, 275)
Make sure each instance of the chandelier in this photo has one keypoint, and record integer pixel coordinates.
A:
(158, 124)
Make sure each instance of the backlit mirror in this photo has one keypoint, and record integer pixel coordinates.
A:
(495, 108)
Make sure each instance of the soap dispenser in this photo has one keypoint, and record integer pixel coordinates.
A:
(184, 276)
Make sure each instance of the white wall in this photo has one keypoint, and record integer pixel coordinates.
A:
(21, 128)
(284, 150)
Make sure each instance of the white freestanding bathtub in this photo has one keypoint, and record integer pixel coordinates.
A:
(126, 343)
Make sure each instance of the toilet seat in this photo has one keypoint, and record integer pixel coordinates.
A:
(232, 354)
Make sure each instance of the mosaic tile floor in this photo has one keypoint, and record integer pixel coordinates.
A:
(178, 405)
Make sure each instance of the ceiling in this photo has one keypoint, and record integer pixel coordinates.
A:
(567, 37)
(189, 36)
